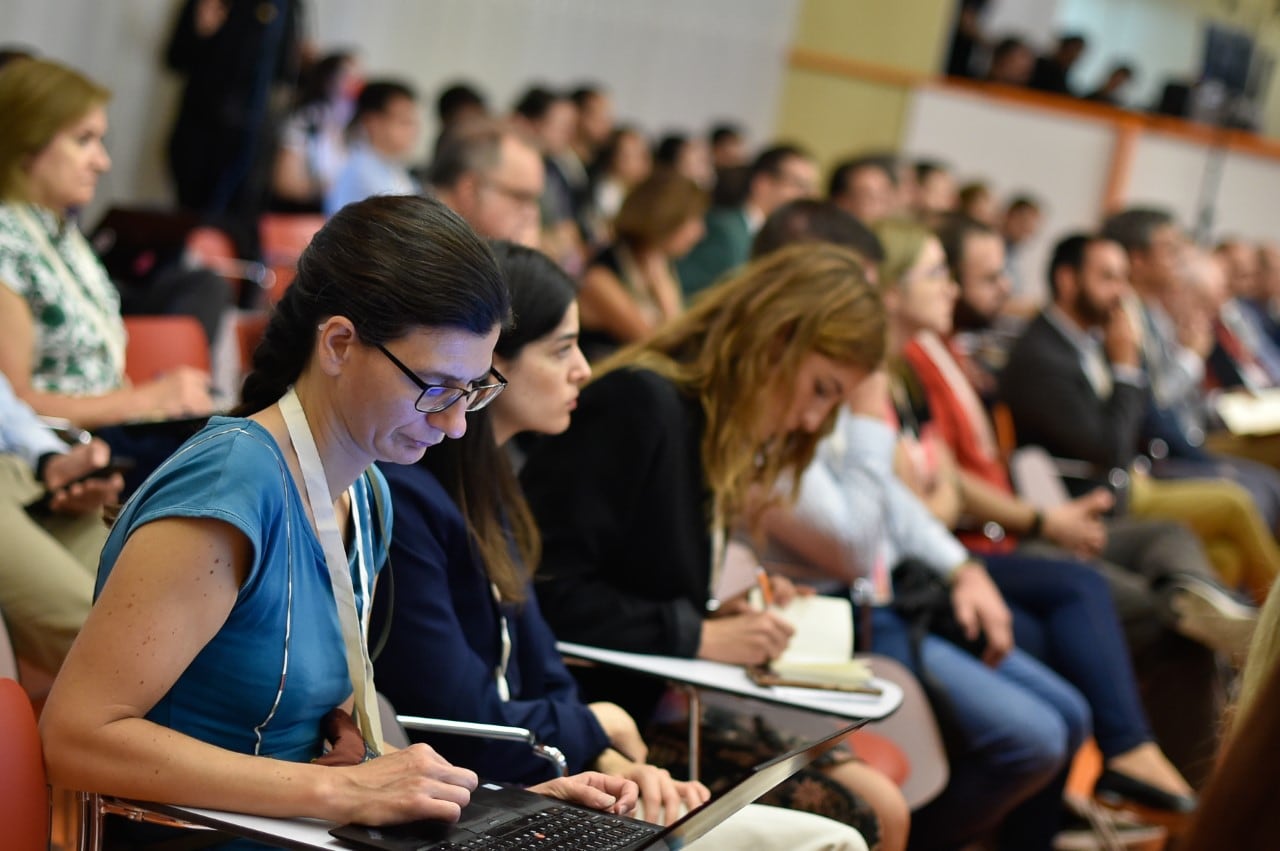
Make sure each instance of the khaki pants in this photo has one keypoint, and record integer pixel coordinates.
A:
(1223, 516)
(1264, 449)
(47, 569)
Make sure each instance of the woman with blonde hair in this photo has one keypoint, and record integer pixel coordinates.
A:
(1014, 715)
(1264, 650)
(61, 336)
(1237, 809)
(663, 458)
(62, 339)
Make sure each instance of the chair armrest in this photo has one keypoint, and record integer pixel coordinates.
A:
(467, 728)
(488, 731)
(92, 807)
(258, 274)
(1038, 477)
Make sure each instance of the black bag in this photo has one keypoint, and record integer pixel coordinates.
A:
(923, 599)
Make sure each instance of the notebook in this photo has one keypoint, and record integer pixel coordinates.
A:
(504, 818)
(820, 652)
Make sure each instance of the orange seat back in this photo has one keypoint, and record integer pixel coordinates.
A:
(24, 799)
(881, 754)
(283, 237)
(1086, 768)
(1006, 434)
(210, 244)
(157, 344)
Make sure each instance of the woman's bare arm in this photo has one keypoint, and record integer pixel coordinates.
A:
(182, 391)
(606, 306)
(171, 590)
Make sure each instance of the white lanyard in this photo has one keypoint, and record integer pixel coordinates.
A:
(504, 630)
(112, 334)
(719, 541)
(359, 666)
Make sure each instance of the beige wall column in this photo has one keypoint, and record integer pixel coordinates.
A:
(889, 45)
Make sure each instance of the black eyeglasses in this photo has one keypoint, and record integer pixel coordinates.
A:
(437, 397)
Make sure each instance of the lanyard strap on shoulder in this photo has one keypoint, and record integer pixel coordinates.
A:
(112, 334)
(359, 666)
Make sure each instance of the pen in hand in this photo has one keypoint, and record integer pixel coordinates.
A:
(766, 588)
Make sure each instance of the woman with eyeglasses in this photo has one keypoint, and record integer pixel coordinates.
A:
(463, 557)
(226, 644)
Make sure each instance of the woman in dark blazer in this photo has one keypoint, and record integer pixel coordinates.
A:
(462, 556)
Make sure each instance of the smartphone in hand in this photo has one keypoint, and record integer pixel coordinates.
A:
(120, 464)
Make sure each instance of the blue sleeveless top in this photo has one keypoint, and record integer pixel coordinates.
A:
(231, 695)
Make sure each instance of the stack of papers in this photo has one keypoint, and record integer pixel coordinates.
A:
(1245, 413)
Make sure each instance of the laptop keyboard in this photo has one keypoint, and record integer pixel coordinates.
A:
(561, 828)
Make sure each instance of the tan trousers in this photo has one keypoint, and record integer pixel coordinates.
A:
(1223, 516)
(47, 569)
(1264, 449)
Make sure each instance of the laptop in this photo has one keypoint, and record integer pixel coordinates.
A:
(504, 818)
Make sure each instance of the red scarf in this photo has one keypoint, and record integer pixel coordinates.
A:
(962, 422)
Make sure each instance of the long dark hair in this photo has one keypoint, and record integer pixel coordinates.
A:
(473, 469)
(389, 264)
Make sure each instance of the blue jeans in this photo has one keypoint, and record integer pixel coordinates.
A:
(1063, 616)
(1016, 727)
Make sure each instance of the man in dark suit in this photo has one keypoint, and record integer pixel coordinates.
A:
(781, 174)
(1075, 386)
(1157, 571)
(1076, 395)
(1179, 421)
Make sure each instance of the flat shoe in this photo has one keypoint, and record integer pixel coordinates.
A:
(1113, 787)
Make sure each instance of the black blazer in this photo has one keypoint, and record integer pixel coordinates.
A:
(624, 511)
(1054, 405)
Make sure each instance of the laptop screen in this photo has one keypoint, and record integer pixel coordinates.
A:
(762, 779)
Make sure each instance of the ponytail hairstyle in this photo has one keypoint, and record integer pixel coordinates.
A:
(473, 469)
(390, 263)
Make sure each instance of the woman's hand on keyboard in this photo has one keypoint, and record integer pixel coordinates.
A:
(593, 789)
(664, 799)
(414, 783)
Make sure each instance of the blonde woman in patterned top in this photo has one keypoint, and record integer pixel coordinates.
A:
(61, 336)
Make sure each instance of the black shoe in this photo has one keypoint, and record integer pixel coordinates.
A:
(1116, 788)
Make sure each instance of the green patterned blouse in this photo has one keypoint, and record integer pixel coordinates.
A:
(79, 336)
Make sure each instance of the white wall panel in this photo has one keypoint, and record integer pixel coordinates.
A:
(1169, 172)
(1248, 198)
(672, 64)
(1063, 161)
